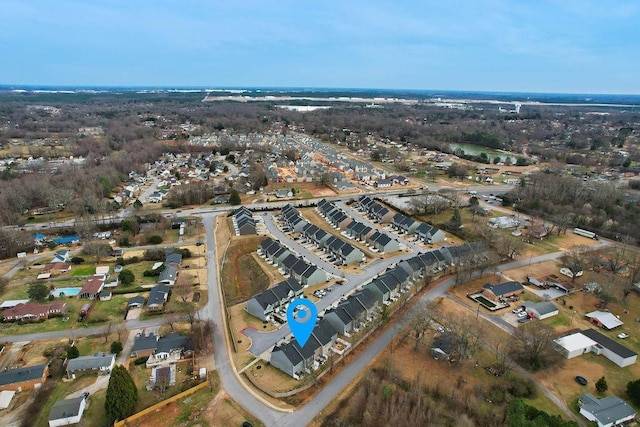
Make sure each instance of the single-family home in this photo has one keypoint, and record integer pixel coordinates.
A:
(135, 302)
(168, 276)
(604, 319)
(21, 379)
(606, 412)
(144, 345)
(158, 296)
(170, 349)
(32, 311)
(56, 268)
(592, 341)
(91, 289)
(540, 310)
(443, 346)
(173, 259)
(61, 256)
(503, 290)
(99, 362)
(67, 412)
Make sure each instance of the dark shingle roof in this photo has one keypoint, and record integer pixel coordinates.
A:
(18, 375)
(608, 343)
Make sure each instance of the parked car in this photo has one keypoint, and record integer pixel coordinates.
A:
(516, 310)
(85, 394)
(581, 380)
(623, 335)
(523, 320)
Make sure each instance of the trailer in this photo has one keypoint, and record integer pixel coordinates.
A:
(585, 233)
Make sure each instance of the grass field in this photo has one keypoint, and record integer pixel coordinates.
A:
(241, 276)
(83, 270)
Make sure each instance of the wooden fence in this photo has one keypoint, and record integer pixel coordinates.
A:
(159, 405)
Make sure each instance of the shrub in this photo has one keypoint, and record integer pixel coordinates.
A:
(77, 260)
(127, 277)
(73, 352)
(154, 239)
(140, 360)
(116, 347)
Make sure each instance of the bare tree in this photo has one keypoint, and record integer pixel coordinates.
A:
(575, 261)
(531, 345)
(419, 319)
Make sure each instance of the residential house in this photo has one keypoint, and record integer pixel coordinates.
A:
(382, 243)
(104, 295)
(168, 276)
(99, 362)
(92, 288)
(265, 303)
(144, 345)
(173, 259)
(354, 313)
(606, 412)
(503, 290)
(243, 222)
(21, 379)
(429, 234)
(349, 254)
(295, 360)
(592, 341)
(312, 276)
(403, 224)
(56, 268)
(61, 256)
(169, 349)
(604, 319)
(33, 312)
(67, 412)
(135, 302)
(382, 183)
(158, 296)
(283, 193)
(443, 346)
(540, 310)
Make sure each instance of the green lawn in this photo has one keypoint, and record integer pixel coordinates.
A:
(138, 269)
(61, 390)
(83, 270)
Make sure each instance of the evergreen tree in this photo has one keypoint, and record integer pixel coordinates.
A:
(234, 199)
(116, 347)
(602, 385)
(633, 391)
(122, 395)
(73, 352)
(38, 292)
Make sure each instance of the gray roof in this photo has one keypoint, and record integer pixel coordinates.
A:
(504, 288)
(608, 409)
(19, 375)
(169, 273)
(84, 363)
(138, 299)
(609, 344)
(173, 258)
(158, 295)
(172, 342)
(543, 307)
(145, 342)
(65, 408)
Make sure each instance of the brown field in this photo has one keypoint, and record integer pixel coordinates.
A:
(241, 275)
(410, 365)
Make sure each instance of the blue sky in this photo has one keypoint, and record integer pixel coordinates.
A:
(487, 45)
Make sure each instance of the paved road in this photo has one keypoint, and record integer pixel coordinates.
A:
(84, 332)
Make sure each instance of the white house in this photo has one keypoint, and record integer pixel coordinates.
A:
(593, 341)
(540, 310)
(67, 412)
(606, 412)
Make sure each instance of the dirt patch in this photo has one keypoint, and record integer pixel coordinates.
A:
(224, 411)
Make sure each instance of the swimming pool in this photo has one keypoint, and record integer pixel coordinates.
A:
(67, 292)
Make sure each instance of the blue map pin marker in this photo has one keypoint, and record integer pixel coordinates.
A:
(303, 320)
